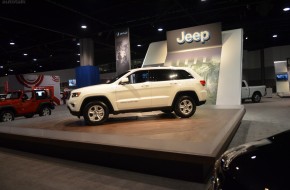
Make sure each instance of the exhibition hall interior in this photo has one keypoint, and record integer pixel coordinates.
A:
(134, 94)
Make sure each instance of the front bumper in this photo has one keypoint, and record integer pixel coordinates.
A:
(201, 103)
(75, 113)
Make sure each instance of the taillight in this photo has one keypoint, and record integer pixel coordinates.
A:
(202, 82)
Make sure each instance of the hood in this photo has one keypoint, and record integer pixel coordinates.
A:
(235, 152)
(91, 89)
(257, 165)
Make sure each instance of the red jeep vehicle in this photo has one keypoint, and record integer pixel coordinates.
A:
(25, 103)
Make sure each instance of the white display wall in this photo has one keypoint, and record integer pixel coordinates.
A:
(230, 76)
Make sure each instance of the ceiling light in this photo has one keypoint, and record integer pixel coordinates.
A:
(84, 26)
(246, 37)
(78, 61)
(78, 44)
(286, 9)
(160, 29)
(12, 43)
(275, 36)
(40, 66)
(25, 54)
(203, 0)
(1, 67)
(79, 54)
(139, 45)
(34, 59)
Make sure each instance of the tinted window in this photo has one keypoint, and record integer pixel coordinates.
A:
(13, 95)
(160, 75)
(181, 74)
(243, 84)
(116, 78)
(138, 77)
(40, 95)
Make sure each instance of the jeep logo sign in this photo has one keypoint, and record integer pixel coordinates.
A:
(194, 37)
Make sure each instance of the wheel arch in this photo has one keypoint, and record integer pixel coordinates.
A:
(43, 104)
(9, 108)
(257, 92)
(97, 98)
(186, 93)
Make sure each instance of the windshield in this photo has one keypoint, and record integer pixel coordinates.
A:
(116, 78)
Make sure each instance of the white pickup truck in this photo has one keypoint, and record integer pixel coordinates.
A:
(252, 92)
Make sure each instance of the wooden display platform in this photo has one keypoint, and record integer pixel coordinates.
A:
(151, 142)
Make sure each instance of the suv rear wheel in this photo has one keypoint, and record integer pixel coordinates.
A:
(96, 113)
(44, 111)
(184, 106)
(6, 116)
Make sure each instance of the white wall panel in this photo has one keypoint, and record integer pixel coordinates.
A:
(156, 53)
(229, 86)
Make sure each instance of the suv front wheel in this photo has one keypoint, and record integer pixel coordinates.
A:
(96, 113)
(6, 116)
(184, 106)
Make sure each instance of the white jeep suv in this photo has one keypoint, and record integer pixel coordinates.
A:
(167, 89)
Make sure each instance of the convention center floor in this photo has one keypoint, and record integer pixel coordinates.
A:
(23, 170)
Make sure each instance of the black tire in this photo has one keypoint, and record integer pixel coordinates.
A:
(6, 116)
(184, 106)
(256, 98)
(96, 113)
(29, 115)
(44, 111)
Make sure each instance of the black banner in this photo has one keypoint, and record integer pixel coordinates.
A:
(123, 55)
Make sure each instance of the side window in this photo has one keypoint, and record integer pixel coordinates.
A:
(139, 77)
(160, 75)
(29, 94)
(181, 74)
(15, 95)
(243, 84)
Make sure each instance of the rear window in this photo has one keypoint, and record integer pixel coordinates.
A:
(181, 74)
(39, 95)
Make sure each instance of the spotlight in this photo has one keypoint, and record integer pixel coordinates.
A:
(84, 26)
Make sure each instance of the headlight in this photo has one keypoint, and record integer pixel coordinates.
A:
(75, 94)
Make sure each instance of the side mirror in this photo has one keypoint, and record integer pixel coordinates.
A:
(124, 80)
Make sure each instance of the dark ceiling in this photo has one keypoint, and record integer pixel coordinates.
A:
(49, 30)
